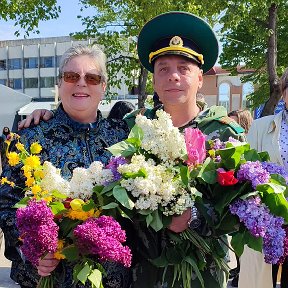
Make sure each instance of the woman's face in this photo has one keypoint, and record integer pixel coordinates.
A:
(80, 99)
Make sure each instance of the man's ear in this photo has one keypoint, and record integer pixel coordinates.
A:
(200, 77)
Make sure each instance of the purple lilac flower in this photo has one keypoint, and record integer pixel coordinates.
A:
(37, 229)
(274, 168)
(285, 254)
(113, 165)
(217, 144)
(233, 140)
(261, 223)
(103, 237)
(254, 172)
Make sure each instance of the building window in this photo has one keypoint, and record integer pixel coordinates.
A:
(247, 89)
(3, 65)
(31, 82)
(47, 62)
(15, 83)
(224, 95)
(14, 64)
(3, 82)
(47, 82)
(31, 62)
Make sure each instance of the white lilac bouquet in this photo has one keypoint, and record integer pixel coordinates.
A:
(61, 217)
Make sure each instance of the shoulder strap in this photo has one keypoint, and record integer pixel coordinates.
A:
(234, 125)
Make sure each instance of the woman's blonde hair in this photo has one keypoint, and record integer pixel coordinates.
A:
(244, 118)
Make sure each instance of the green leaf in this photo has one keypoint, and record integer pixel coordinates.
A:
(95, 278)
(239, 239)
(71, 253)
(136, 132)
(252, 155)
(109, 187)
(191, 261)
(174, 256)
(22, 203)
(161, 261)
(140, 173)
(156, 223)
(184, 173)
(122, 148)
(208, 171)
(57, 194)
(121, 195)
(111, 205)
(273, 197)
(88, 206)
(57, 207)
(84, 273)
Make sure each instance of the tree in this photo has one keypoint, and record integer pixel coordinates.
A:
(256, 34)
(116, 25)
(27, 13)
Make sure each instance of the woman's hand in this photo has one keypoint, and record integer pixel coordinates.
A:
(35, 116)
(47, 265)
(180, 223)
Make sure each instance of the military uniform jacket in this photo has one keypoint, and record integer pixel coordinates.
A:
(215, 123)
(67, 144)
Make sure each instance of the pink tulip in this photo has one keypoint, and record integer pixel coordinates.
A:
(195, 145)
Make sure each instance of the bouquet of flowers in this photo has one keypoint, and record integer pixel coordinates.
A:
(61, 217)
(161, 172)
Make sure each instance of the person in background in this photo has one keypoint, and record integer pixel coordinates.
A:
(177, 55)
(5, 133)
(267, 134)
(242, 117)
(120, 109)
(76, 136)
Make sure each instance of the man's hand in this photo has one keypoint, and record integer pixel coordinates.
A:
(180, 223)
(47, 265)
(35, 116)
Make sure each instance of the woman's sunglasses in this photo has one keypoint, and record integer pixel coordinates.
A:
(73, 77)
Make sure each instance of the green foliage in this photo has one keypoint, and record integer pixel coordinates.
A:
(27, 13)
(245, 35)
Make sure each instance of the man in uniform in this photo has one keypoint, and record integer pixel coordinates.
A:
(178, 47)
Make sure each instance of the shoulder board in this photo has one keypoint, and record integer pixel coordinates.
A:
(234, 125)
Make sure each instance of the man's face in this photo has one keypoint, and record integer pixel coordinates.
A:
(176, 80)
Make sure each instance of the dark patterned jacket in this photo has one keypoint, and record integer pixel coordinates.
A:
(67, 144)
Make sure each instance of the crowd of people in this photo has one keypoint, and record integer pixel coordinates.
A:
(177, 57)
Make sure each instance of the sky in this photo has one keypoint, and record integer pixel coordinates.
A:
(63, 26)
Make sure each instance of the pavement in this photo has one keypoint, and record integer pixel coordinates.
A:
(5, 281)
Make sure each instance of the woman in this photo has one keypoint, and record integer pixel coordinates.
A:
(267, 134)
(76, 136)
(242, 117)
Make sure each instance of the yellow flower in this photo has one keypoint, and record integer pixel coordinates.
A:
(27, 173)
(39, 174)
(80, 215)
(33, 161)
(58, 254)
(13, 158)
(48, 199)
(36, 189)
(20, 147)
(26, 169)
(76, 204)
(35, 148)
(4, 180)
(29, 182)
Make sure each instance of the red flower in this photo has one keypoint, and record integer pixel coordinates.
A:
(226, 178)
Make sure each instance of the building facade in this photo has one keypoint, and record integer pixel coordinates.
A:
(31, 66)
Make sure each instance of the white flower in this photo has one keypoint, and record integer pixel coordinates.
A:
(53, 180)
(161, 138)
